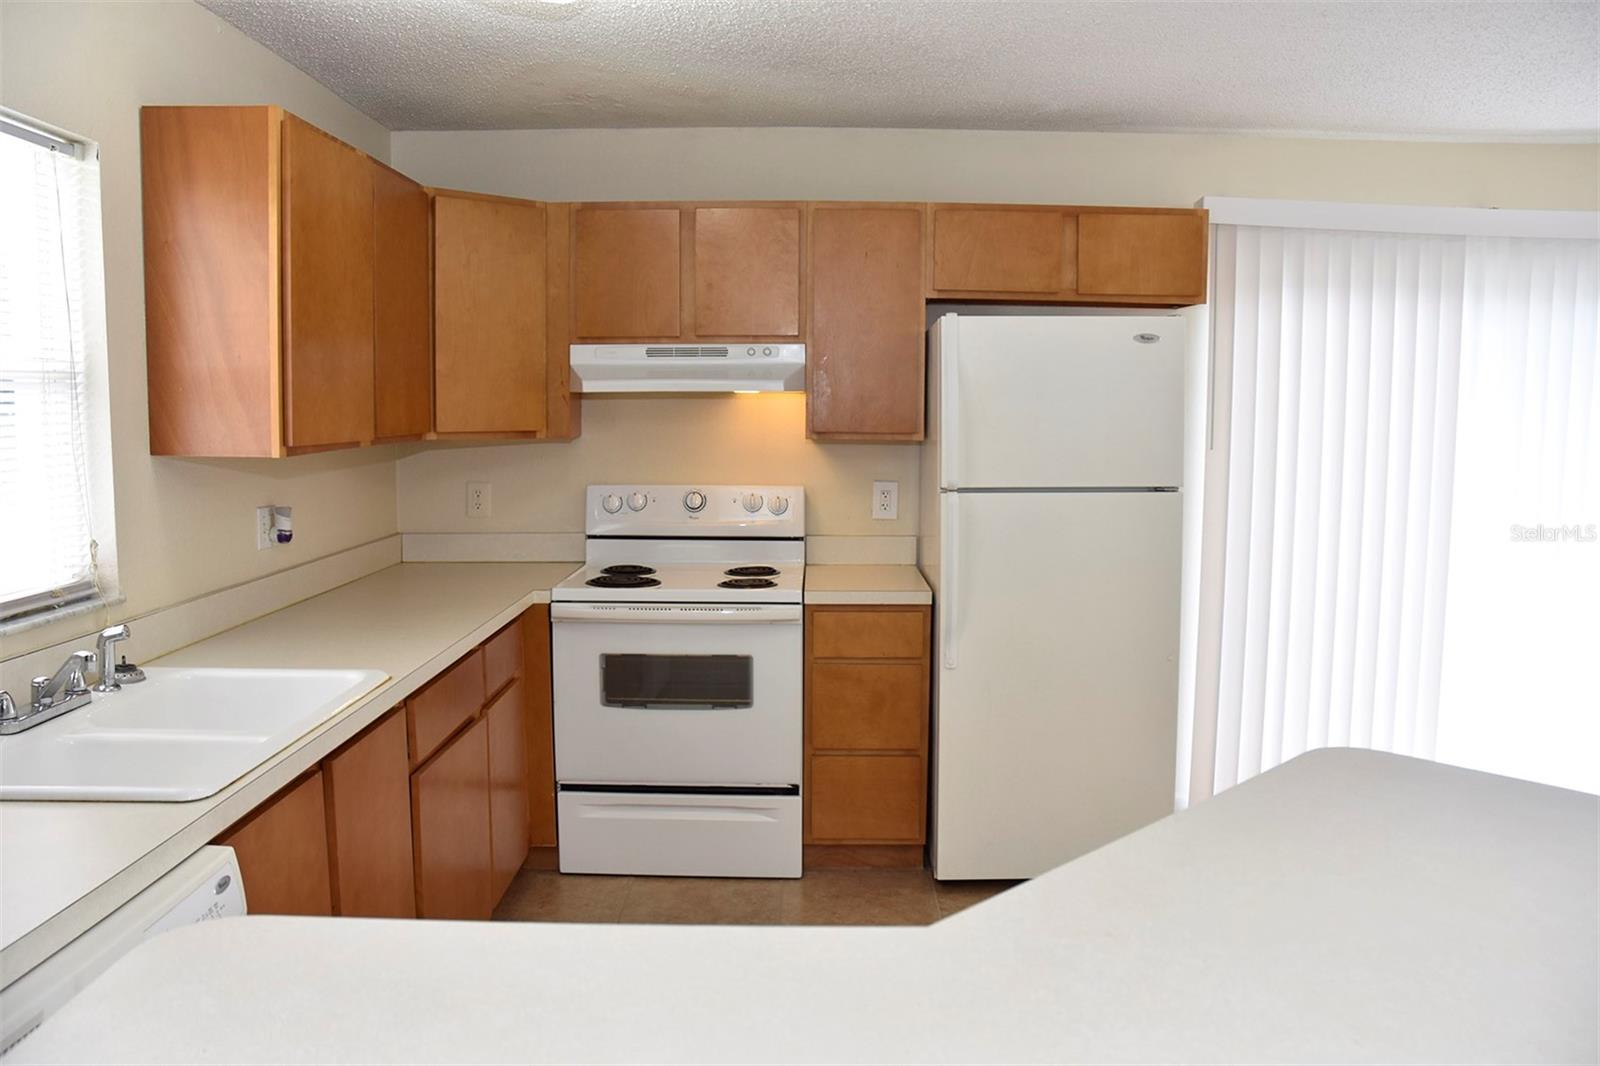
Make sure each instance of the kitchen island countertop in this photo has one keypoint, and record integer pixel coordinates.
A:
(1348, 906)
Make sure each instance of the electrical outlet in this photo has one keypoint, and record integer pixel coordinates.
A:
(265, 535)
(478, 504)
(886, 500)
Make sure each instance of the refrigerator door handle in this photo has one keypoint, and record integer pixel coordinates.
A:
(950, 516)
(949, 404)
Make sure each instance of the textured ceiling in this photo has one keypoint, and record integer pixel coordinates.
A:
(1388, 68)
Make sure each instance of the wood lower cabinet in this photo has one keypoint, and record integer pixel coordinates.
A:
(369, 823)
(402, 306)
(541, 728)
(507, 718)
(489, 315)
(282, 848)
(866, 733)
(438, 709)
(450, 822)
(864, 360)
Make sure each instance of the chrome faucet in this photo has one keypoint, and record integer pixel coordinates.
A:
(66, 691)
(103, 654)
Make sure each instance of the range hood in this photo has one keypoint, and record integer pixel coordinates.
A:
(732, 367)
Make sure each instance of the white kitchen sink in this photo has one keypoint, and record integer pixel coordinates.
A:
(180, 735)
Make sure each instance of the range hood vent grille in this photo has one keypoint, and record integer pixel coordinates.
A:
(684, 351)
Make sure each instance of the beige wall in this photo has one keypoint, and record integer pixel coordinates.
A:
(183, 528)
(538, 487)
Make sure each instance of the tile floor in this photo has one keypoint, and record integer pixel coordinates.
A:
(821, 897)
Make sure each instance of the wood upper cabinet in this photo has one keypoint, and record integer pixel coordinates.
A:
(369, 823)
(327, 289)
(450, 823)
(489, 314)
(627, 273)
(746, 272)
(271, 327)
(864, 360)
(402, 311)
(1156, 254)
(992, 250)
(282, 848)
(508, 785)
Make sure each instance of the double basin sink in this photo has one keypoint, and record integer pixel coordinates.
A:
(182, 734)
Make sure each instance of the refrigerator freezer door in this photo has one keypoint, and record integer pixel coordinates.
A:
(1059, 402)
(1055, 732)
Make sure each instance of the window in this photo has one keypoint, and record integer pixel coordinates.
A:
(1398, 545)
(51, 342)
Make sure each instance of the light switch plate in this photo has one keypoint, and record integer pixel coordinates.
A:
(886, 500)
(478, 501)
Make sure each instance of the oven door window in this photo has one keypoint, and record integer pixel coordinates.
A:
(677, 682)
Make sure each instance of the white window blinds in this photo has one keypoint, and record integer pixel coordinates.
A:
(1389, 410)
(49, 278)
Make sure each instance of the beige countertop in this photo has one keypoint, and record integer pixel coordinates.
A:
(1348, 906)
(866, 584)
(64, 866)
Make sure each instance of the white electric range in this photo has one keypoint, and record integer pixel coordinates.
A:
(677, 657)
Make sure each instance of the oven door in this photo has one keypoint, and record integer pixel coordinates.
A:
(677, 695)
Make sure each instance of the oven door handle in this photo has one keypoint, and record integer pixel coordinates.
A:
(681, 614)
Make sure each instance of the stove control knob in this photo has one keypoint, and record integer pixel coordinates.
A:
(753, 502)
(637, 501)
(612, 503)
(694, 501)
(777, 505)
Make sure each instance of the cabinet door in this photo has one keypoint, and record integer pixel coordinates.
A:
(327, 289)
(1142, 254)
(746, 272)
(995, 250)
(402, 312)
(508, 786)
(866, 354)
(450, 821)
(283, 852)
(541, 727)
(489, 315)
(369, 789)
(627, 273)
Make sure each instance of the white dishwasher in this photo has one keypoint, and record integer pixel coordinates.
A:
(204, 886)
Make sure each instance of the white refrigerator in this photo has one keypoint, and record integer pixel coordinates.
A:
(1051, 530)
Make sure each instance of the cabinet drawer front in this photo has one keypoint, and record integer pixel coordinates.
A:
(868, 634)
(502, 658)
(868, 706)
(987, 250)
(866, 799)
(450, 699)
(1142, 255)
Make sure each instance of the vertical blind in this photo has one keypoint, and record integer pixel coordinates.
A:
(1374, 394)
(49, 219)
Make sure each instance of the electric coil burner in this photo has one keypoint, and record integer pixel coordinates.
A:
(677, 655)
